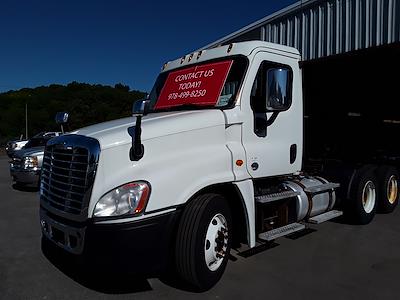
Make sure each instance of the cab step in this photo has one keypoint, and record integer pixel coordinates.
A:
(281, 231)
(276, 196)
(321, 188)
(325, 217)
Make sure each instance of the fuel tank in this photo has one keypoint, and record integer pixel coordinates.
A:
(310, 204)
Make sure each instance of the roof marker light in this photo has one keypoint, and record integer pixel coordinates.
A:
(164, 66)
(229, 48)
(190, 57)
(199, 54)
(183, 59)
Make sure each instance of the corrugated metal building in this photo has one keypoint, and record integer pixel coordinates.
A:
(320, 28)
(351, 57)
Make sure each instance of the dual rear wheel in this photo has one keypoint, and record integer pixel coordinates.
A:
(389, 189)
(372, 190)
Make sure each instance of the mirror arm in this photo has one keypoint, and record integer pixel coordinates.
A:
(272, 119)
(137, 149)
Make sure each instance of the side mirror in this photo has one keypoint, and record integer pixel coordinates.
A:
(279, 82)
(140, 107)
(61, 118)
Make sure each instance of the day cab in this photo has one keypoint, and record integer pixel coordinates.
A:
(212, 160)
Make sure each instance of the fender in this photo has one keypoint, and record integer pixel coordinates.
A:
(246, 191)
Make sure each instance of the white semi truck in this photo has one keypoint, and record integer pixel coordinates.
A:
(211, 160)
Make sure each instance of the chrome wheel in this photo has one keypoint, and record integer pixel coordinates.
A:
(216, 242)
(368, 196)
(392, 189)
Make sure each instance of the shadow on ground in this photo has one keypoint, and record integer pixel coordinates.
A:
(106, 280)
(98, 279)
(25, 188)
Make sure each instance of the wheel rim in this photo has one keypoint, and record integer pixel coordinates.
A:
(368, 196)
(216, 242)
(392, 189)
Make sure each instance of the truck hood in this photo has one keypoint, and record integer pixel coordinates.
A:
(115, 133)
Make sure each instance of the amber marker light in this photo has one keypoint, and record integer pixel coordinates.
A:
(229, 48)
(239, 162)
(144, 195)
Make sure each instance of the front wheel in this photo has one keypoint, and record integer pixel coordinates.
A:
(204, 241)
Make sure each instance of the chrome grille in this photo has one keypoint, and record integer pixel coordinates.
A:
(68, 172)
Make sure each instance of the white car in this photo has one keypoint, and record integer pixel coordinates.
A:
(26, 163)
(15, 145)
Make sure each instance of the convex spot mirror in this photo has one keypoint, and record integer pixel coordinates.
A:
(140, 107)
(279, 96)
(61, 117)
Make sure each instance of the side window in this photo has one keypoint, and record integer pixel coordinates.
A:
(271, 92)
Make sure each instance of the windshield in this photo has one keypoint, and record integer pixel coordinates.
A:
(36, 142)
(206, 85)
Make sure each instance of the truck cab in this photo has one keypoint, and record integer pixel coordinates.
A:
(220, 165)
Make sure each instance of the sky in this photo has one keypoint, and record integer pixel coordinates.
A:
(46, 42)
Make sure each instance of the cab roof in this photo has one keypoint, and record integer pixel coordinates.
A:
(242, 48)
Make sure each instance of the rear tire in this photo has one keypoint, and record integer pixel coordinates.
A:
(362, 204)
(388, 191)
(203, 241)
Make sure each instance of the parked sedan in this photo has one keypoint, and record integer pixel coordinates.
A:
(26, 164)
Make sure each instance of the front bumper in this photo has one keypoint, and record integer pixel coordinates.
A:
(144, 245)
(25, 176)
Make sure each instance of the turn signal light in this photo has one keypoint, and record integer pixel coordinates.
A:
(239, 162)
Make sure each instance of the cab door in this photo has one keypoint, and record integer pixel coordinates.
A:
(273, 131)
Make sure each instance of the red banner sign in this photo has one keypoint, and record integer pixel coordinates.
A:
(199, 85)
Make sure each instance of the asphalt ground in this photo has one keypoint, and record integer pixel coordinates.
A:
(334, 261)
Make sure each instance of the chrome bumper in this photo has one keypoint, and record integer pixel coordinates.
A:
(69, 238)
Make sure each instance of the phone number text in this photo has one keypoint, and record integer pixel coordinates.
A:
(187, 94)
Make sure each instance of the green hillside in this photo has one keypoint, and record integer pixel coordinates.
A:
(87, 104)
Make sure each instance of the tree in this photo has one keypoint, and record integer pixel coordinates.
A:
(87, 104)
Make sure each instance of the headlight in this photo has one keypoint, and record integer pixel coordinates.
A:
(130, 198)
(30, 162)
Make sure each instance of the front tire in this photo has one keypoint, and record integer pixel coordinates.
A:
(204, 241)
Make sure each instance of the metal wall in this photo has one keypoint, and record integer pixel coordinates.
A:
(320, 28)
